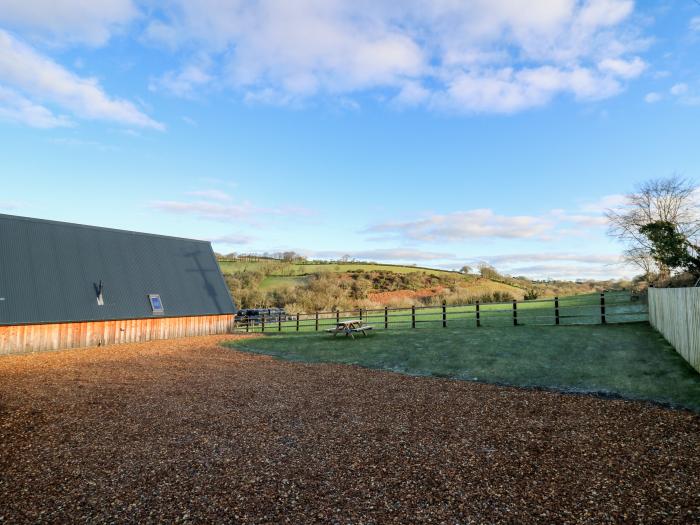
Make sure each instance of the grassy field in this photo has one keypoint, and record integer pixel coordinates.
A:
(292, 269)
(630, 360)
(573, 310)
(272, 282)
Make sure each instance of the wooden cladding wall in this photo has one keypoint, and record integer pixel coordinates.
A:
(675, 312)
(35, 338)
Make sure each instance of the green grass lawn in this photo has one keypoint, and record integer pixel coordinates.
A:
(630, 360)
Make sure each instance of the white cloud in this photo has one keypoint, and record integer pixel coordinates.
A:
(580, 219)
(163, 34)
(232, 239)
(652, 97)
(679, 89)
(16, 108)
(271, 97)
(508, 90)
(581, 258)
(573, 271)
(207, 210)
(41, 78)
(559, 265)
(470, 224)
(385, 254)
(695, 24)
(411, 94)
(348, 104)
(501, 55)
(487, 224)
(6, 206)
(84, 21)
(225, 211)
(685, 95)
(623, 68)
(216, 195)
(603, 204)
(605, 12)
(186, 82)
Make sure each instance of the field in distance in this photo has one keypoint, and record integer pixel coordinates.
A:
(325, 285)
(284, 268)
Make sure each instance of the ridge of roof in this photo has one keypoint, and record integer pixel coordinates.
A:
(89, 226)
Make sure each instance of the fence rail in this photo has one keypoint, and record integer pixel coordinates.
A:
(592, 309)
(675, 312)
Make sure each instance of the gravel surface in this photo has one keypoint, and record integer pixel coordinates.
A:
(187, 431)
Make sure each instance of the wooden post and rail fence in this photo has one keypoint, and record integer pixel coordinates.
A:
(674, 312)
(593, 309)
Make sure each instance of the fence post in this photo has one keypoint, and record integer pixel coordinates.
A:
(556, 310)
(386, 318)
(602, 308)
(444, 314)
(478, 316)
(317, 321)
(360, 314)
(515, 312)
(263, 322)
(337, 317)
(279, 322)
(297, 322)
(413, 316)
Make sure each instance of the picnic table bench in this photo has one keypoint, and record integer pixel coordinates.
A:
(350, 327)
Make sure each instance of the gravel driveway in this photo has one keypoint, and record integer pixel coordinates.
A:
(189, 431)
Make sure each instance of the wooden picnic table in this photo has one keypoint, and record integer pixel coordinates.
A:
(350, 327)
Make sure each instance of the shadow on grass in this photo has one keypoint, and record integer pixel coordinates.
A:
(627, 360)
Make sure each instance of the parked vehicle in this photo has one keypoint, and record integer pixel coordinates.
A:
(254, 316)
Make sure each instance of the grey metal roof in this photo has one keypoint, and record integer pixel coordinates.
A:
(50, 271)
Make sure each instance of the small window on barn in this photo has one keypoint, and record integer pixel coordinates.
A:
(156, 303)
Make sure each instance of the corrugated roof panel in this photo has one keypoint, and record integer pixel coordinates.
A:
(50, 271)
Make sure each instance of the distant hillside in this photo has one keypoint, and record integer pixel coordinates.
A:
(318, 285)
(289, 268)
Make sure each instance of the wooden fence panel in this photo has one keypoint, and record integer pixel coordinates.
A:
(36, 338)
(675, 312)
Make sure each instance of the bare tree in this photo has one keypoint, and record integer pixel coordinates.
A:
(643, 260)
(673, 200)
(489, 272)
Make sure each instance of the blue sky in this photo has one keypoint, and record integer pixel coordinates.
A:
(436, 133)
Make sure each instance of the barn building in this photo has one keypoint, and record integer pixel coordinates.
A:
(67, 285)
